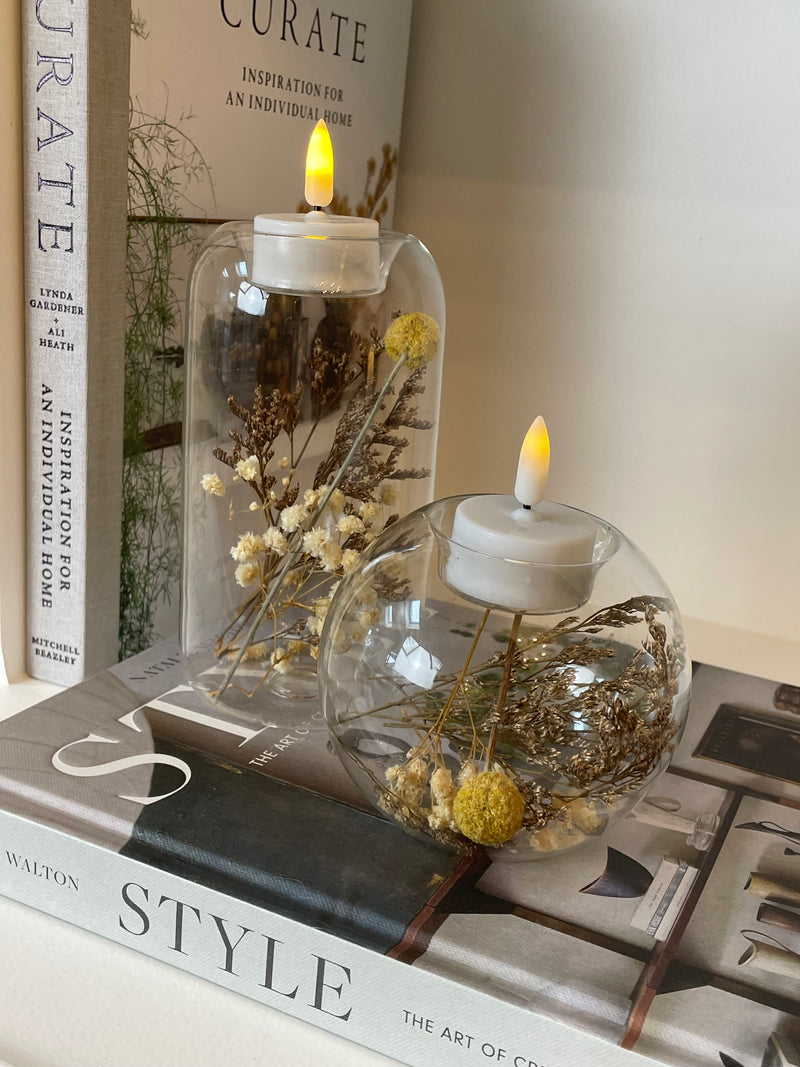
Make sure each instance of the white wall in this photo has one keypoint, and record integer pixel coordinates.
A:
(612, 191)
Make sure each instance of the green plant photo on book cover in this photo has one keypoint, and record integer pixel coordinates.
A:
(163, 162)
(165, 171)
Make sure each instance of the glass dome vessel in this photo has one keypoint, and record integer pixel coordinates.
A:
(486, 702)
(312, 398)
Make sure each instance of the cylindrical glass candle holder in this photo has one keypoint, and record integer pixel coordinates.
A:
(312, 398)
(523, 720)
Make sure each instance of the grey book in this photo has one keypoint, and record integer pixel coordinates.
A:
(75, 106)
(245, 855)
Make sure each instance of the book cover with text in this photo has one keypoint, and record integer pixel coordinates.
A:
(246, 855)
(223, 99)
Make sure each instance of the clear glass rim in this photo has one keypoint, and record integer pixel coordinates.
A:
(236, 229)
(608, 539)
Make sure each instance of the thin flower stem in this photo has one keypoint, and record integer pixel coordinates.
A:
(317, 421)
(295, 552)
(503, 693)
(302, 451)
(443, 714)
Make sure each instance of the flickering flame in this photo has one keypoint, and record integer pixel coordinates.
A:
(319, 167)
(534, 465)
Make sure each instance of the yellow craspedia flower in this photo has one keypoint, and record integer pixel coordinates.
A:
(488, 808)
(415, 336)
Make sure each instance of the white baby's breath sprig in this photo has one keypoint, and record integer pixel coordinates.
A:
(248, 469)
(213, 484)
(312, 516)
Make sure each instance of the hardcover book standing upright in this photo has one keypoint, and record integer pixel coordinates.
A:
(224, 97)
(75, 74)
(136, 813)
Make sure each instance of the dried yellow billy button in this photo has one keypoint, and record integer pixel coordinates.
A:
(415, 336)
(488, 808)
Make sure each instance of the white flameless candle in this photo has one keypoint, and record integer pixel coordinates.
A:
(522, 552)
(317, 252)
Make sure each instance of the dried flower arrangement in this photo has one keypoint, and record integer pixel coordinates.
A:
(520, 741)
(296, 548)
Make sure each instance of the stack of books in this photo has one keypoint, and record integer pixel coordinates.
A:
(248, 857)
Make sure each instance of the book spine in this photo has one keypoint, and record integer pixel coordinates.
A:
(75, 91)
(418, 1017)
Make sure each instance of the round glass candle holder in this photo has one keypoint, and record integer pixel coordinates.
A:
(480, 724)
(310, 422)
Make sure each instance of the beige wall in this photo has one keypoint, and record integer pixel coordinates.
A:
(612, 191)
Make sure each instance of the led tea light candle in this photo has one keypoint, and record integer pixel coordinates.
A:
(317, 252)
(523, 552)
